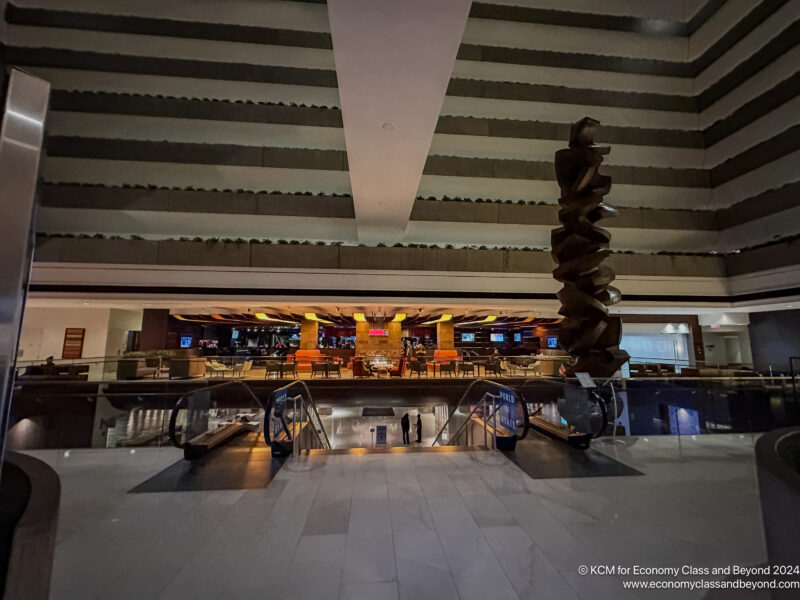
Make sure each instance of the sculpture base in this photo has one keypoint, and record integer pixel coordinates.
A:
(599, 363)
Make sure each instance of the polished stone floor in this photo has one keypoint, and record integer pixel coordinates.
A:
(466, 525)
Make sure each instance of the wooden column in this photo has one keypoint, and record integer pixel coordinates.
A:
(155, 324)
(309, 334)
(444, 335)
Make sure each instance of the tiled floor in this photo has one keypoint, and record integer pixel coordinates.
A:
(466, 525)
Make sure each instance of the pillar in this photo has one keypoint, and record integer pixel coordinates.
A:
(309, 334)
(444, 335)
(155, 324)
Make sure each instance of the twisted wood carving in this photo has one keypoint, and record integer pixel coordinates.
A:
(588, 332)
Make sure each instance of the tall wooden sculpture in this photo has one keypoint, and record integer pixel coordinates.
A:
(587, 332)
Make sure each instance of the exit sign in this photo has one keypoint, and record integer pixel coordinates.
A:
(379, 332)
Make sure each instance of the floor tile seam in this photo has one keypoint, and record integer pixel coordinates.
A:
(483, 537)
(441, 545)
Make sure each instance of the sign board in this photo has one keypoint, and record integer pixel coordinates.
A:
(383, 332)
(507, 410)
(585, 380)
(380, 435)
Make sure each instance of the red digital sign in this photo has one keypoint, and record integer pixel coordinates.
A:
(379, 332)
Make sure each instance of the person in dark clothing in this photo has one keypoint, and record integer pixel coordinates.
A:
(405, 425)
(419, 428)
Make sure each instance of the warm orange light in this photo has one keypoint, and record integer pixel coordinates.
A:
(360, 317)
(399, 317)
(264, 317)
(488, 319)
(441, 319)
(313, 317)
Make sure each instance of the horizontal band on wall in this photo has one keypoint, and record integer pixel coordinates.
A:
(602, 62)
(771, 51)
(196, 201)
(186, 108)
(566, 18)
(328, 206)
(757, 107)
(73, 19)
(457, 166)
(304, 256)
(207, 154)
(403, 293)
(547, 214)
(149, 65)
(768, 203)
(761, 154)
(779, 254)
(502, 90)
(190, 108)
(302, 158)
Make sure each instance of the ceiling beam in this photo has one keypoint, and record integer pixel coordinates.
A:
(393, 63)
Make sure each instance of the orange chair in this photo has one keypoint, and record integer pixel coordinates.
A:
(399, 370)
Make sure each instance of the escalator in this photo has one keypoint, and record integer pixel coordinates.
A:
(211, 417)
(489, 415)
(294, 424)
(567, 412)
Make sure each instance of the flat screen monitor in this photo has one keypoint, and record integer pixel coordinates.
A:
(467, 337)
(496, 337)
(186, 341)
(552, 342)
(517, 337)
(235, 334)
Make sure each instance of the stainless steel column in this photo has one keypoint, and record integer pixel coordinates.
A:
(21, 136)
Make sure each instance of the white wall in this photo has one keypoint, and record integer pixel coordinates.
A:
(120, 322)
(43, 331)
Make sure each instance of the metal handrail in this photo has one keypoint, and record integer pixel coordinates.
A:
(173, 418)
(485, 419)
(307, 400)
(464, 396)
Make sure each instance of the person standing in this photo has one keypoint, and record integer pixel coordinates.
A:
(419, 428)
(405, 425)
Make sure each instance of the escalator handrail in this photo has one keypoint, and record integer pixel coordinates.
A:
(592, 394)
(173, 418)
(466, 394)
(309, 400)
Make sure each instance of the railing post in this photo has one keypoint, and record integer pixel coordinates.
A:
(295, 451)
(494, 423)
(485, 430)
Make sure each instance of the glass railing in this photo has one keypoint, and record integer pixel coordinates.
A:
(197, 423)
(149, 368)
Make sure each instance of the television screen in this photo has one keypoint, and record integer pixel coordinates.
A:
(467, 337)
(235, 334)
(496, 337)
(552, 342)
(517, 337)
(186, 341)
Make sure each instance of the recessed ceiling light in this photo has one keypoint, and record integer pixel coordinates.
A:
(388, 126)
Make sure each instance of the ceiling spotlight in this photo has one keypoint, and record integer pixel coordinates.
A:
(388, 126)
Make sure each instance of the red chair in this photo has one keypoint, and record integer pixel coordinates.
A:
(359, 370)
(399, 370)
